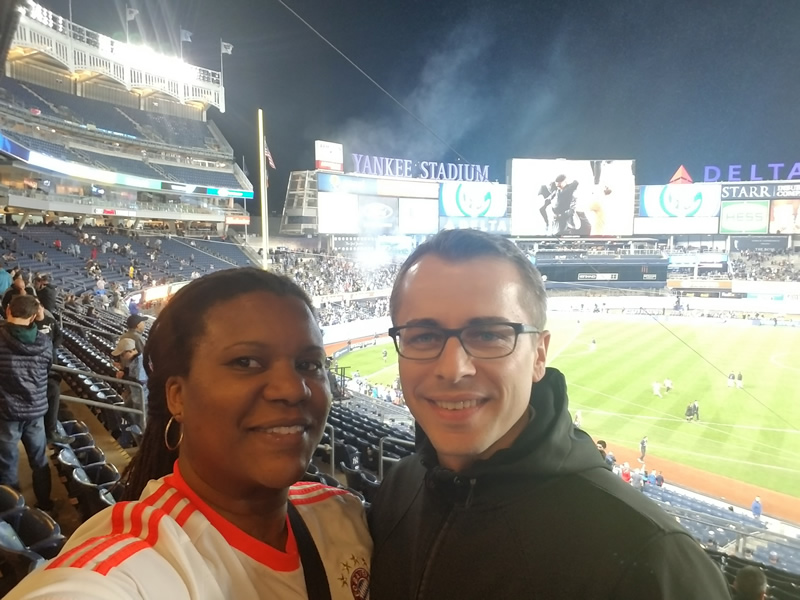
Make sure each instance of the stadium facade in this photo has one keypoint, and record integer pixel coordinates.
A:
(612, 232)
(108, 132)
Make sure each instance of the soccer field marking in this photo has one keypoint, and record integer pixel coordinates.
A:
(383, 370)
(551, 357)
(714, 457)
(770, 449)
(774, 360)
(588, 410)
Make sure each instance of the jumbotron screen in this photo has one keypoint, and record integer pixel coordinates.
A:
(572, 197)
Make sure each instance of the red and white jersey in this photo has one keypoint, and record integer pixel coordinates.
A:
(170, 545)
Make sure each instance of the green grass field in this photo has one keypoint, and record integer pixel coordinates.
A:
(751, 435)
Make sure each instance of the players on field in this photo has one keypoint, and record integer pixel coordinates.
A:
(593, 345)
(384, 354)
(739, 383)
(657, 389)
(731, 379)
(667, 384)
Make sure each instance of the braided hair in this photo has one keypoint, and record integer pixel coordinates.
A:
(169, 352)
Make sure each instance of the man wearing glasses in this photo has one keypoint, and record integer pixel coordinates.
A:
(505, 498)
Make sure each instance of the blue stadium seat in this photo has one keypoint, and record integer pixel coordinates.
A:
(16, 561)
(11, 501)
(45, 147)
(201, 176)
(38, 531)
(121, 164)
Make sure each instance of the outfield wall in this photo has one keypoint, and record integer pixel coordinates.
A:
(359, 330)
(746, 305)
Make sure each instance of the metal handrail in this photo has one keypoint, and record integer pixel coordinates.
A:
(93, 375)
(331, 433)
(380, 452)
(92, 329)
(103, 405)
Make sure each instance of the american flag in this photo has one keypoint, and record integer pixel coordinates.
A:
(268, 155)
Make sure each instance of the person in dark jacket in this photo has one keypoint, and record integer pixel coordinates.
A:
(505, 498)
(47, 324)
(45, 292)
(135, 327)
(25, 358)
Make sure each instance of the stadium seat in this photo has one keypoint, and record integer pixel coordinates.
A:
(103, 475)
(38, 531)
(16, 560)
(365, 483)
(11, 501)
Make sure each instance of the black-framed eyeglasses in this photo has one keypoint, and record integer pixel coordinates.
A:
(488, 340)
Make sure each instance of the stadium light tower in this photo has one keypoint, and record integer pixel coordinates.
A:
(262, 175)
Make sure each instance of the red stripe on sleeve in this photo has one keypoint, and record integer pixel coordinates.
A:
(118, 558)
(183, 516)
(67, 556)
(99, 549)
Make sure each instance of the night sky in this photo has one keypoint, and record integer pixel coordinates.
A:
(664, 83)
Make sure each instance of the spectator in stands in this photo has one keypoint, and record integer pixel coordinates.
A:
(750, 584)
(5, 279)
(660, 479)
(45, 292)
(237, 408)
(136, 325)
(755, 507)
(47, 324)
(18, 287)
(25, 358)
(132, 369)
(498, 457)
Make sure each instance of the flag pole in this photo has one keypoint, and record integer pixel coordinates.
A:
(221, 65)
(262, 164)
(127, 26)
(244, 200)
(180, 37)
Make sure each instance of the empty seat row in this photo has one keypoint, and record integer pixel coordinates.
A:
(28, 537)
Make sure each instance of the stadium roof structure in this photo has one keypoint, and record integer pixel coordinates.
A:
(54, 40)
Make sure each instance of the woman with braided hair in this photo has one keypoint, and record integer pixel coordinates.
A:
(238, 398)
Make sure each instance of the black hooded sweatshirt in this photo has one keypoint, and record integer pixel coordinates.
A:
(543, 519)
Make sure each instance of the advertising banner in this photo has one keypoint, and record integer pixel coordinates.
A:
(329, 156)
(748, 191)
(745, 216)
(680, 200)
(572, 197)
(501, 226)
(691, 260)
(473, 200)
(675, 226)
(343, 184)
(760, 243)
(336, 213)
(784, 216)
(377, 215)
(237, 220)
(407, 188)
(418, 216)
(718, 284)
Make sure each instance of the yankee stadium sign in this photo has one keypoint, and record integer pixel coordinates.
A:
(400, 167)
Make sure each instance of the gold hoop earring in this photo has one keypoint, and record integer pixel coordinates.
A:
(166, 434)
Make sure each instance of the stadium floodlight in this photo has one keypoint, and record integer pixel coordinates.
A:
(151, 61)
